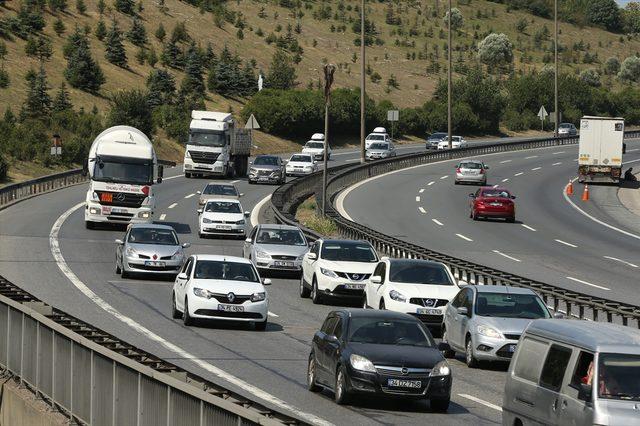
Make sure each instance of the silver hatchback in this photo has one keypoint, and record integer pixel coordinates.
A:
(276, 247)
(149, 249)
(471, 171)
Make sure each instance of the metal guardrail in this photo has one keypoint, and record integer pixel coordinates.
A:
(286, 198)
(96, 379)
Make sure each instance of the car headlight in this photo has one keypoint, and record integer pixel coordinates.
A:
(262, 254)
(441, 369)
(308, 167)
(201, 292)
(361, 363)
(201, 201)
(397, 296)
(328, 273)
(240, 222)
(144, 215)
(252, 170)
(131, 251)
(489, 332)
(177, 255)
(205, 220)
(301, 257)
(257, 297)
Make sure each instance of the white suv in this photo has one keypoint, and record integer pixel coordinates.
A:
(421, 288)
(337, 268)
(221, 288)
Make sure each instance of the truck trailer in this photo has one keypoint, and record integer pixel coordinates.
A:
(600, 149)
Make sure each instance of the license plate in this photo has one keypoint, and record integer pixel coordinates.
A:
(496, 204)
(285, 264)
(230, 308)
(354, 286)
(116, 210)
(263, 179)
(223, 227)
(396, 383)
(427, 311)
(153, 263)
(204, 166)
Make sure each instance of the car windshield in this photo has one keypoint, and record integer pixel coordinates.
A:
(619, 376)
(123, 170)
(164, 237)
(510, 305)
(301, 158)
(216, 189)
(437, 136)
(375, 137)
(348, 251)
(388, 332)
(223, 207)
(287, 237)
(418, 273)
(564, 126)
(209, 138)
(315, 145)
(472, 166)
(379, 145)
(223, 270)
(266, 161)
(496, 193)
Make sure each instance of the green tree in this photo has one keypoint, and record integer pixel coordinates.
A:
(82, 72)
(193, 83)
(125, 6)
(38, 102)
(30, 16)
(137, 34)
(604, 13)
(59, 27)
(152, 57)
(101, 7)
(114, 49)
(101, 30)
(172, 56)
(160, 32)
(162, 88)
(39, 47)
(141, 55)
(591, 77)
(81, 7)
(630, 70)
(57, 5)
(131, 107)
(4, 75)
(62, 101)
(631, 18)
(224, 76)
(522, 24)
(612, 66)
(457, 20)
(282, 74)
(75, 40)
(495, 50)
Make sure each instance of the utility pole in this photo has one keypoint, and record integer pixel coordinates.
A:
(329, 69)
(449, 82)
(555, 78)
(362, 82)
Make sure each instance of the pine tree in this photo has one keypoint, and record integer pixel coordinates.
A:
(141, 55)
(4, 75)
(225, 76)
(62, 101)
(193, 83)
(161, 33)
(81, 7)
(282, 74)
(125, 6)
(101, 7)
(209, 56)
(76, 40)
(58, 27)
(172, 55)
(114, 49)
(82, 71)
(57, 5)
(101, 30)
(152, 57)
(38, 102)
(162, 88)
(249, 80)
(137, 34)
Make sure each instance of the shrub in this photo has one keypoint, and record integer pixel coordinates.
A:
(131, 108)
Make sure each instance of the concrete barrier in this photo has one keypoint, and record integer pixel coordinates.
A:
(20, 407)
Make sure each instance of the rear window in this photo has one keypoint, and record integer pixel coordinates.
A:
(474, 166)
(375, 137)
(530, 352)
(314, 145)
(503, 193)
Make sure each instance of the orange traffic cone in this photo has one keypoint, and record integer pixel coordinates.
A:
(570, 188)
(585, 193)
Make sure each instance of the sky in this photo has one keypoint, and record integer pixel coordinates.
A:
(623, 2)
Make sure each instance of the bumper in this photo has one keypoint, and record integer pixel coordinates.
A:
(265, 179)
(340, 287)
(299, 172)
(485, 212)
(378, 384)
(216, 229)
(217, 168)
(491, 349)
(209, 309)
(471, 178)
(169, 267)
(278, 265)
(95, 212)
(375, 157)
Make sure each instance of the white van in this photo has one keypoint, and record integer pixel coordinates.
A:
(570, 372)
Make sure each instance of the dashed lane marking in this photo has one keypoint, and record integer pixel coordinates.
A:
(163, 216)
(437, 222)
(588, 283)
(421, 190)
(557, 164)
(505, 179)
(189, 196)
(506, 255)
(566, 243)
(422, 210)
(505, 161)
(418, 198)
(480, 401)
(519, 174)
(535, 168)
(464, 238)
(444, 177)
(633, 265)
(531, 156)
(430, 183)
(173, 205)
(528, 227)
(559, 152)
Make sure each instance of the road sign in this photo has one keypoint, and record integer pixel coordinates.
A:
(252, 123)
(542, 113)
(56, 148)
(393, 115)
(552, 117)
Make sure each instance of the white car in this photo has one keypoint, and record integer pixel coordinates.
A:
(220, 288)
(379, 134)
(222, 216)
(456, 142)
(316, 149)
(300, 165)
(421, 288)
(337, 268)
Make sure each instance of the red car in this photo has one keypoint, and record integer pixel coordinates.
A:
(492, 202)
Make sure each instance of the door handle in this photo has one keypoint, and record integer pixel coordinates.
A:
(524, 401)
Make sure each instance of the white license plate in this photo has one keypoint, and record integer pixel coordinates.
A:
(223, 227)
(285, 264)
(231, 308)
(427, 311)
(354, 286)
(153, 263)
(396, 383)
(204, 166)
(116, 210)
(263, 179)
(496, 204)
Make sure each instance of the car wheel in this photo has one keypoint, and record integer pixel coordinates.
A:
(511, 219)
(311, 375)
(187, 175)
(175, 313)
(304, 291)
(124, 273)
(341, 392)
(456, 182)
(448, 353)
(474, 215)
(262, 325)
(439, 405)
(471, 360)
(316, 297)
(186, 318)
(118, 269)
(200, 234)
(382, 307)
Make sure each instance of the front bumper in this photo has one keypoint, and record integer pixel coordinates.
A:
(492, 349)
(378, 384)
(372, 157)
(271, 178)
(278, 265)
(299, 172)
(200, 307)
(222, 229)
(168, 267)
(340, 287)
(216, 168)
(431, 317)
(95, 212)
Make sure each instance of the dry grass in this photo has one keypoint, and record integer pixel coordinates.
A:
(308, 215)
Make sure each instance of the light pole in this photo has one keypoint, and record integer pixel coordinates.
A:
(362, 82)
(555, 74)
(329, 69)
(449, 124)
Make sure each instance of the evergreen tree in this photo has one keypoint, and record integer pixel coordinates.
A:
(75, 41)
(82, 71)
(81, 7)
(59, 27)
(172, 55)
(224, 76)
(193, 83)
(38, 102)
(101, 7)
(162, 88)
(125, 6)
(114, 51)
(249, 80)
(141, 55)
(4, 75)
(62, 101)
(137, 34)
(101, 30)
(209, 56)
(39, 48)
(282, 74)
(152, 57)
(57, 5)
(132, 107)
(161, 33)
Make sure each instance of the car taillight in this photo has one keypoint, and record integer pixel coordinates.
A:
(458, 170)
(481, 171)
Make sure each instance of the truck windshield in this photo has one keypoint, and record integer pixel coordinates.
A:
(123, 170)
(208, 138)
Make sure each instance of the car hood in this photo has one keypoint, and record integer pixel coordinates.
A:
(239, 288)
(313, 150)
(205, 197)
(504, 325)
(377, 151)
(281, 249)
(425, 291)
(223, 216)
(299, 164)
(261, 167)
(151, 249)
(398, 355)
(350, 267)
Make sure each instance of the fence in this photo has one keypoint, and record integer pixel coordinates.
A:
(286, 199)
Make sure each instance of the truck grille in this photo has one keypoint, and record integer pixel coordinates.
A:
(204, 157)
(120, 199)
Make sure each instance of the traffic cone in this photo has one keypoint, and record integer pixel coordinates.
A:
(570, 188)
(585, 193)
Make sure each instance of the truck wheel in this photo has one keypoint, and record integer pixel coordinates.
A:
(187, 175)
(89, 225)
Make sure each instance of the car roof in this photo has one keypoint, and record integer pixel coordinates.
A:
(275, 226)
(414, 262)
(501, 289)
(590, 335)
(220, 183)
(150, 226)
(221, 258)
(374, 313)
(336, 241)
(266, 156)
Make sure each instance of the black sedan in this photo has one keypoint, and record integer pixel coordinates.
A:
(371, 352)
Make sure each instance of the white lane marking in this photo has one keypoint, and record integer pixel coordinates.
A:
(505, 179)
(575, 160)
(559, 152)
(430, 183)
(220, 373)
(621, 261)
(505, 161)
(418, 198)
(535, 168)
(557, 164)
(190, 195)
(495, 186)
(352, 160)
(566, 243)
(568, 200)
(464, 238)
(528, 227)
(172, 177)
(444, 177)
(235, 181)
(422, 210)
(633, 150)
(163, 216)
(256, 210)
(519, 174)
(588, 283)
(271, 314)
(506, 255)
(421, 190)
(531, 156)
(480, 401)
(173, 205)
(437, 222)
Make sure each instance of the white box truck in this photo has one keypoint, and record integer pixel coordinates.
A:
(600, 149)
(124, 169)
(216, 146)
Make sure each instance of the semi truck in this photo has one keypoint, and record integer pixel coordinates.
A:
(216, 146)
(124, 170)
(600, 149)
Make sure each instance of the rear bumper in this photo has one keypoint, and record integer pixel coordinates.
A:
(471, 178)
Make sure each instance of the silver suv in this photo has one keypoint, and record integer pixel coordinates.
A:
(267, 169)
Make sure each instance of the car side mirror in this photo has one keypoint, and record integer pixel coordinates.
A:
(462, 310)
(199, 192)
(312, 256)
(182, 276)
(376, 279)
(331, 338)
(462, 283)
(200, 211)
(119, 242)
(584, 392)
(513, 197)
(266, 281)
(247, 214)
(186, 245)
(444, 347)
(559, 315)
(248, 241)
(472, 195)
